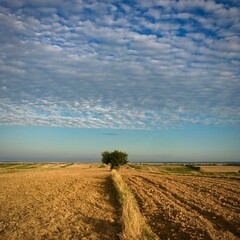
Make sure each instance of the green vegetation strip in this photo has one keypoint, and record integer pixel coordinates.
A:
(26, 166)
(133, 224)
(181, 169)
(29, 167)
(7, 165)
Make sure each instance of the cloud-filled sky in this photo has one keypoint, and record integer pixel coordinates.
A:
(125, 64)
(133, 65)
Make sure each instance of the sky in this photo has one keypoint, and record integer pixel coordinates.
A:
(158, 79)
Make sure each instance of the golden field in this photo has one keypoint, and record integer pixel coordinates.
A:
(54, 202)
(181, 203)
(79, 201)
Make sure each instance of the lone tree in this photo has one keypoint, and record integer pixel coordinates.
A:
(115, 158)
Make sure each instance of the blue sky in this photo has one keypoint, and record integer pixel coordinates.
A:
(120, 74)
(205, 143)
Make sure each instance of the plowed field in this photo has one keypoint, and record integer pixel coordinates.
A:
(187, 207)
(71, 203)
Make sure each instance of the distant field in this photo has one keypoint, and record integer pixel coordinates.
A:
(204, 170)
(57, 201)
(25, 167)
(220, 169)
(178, 204)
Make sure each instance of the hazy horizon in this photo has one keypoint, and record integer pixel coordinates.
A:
(193, 144)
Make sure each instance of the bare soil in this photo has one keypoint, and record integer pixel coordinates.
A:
(76, 202)
(187, 207)
(220, 169)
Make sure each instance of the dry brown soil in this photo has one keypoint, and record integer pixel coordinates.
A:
(219, 169)
(71, 203)
(187, 207)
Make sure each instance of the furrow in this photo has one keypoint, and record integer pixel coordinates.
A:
(167, 217)
(189, 201)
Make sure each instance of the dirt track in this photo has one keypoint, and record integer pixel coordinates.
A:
(64, 204)
(187, 207)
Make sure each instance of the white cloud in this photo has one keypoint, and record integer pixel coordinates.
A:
(88, 114)
(129, 61)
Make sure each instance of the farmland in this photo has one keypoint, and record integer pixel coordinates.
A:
(186, 205)
(50, 201)
(79, 201)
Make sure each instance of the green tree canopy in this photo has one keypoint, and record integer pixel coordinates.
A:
(115, 158)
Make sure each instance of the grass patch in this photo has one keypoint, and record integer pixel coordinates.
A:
(182, 169)
(134, 227)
